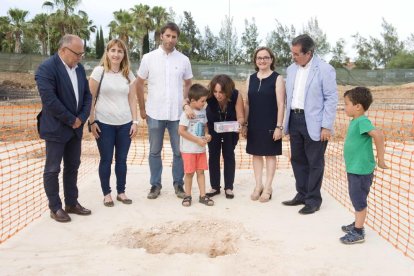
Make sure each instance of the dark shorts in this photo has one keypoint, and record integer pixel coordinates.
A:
(359, 186)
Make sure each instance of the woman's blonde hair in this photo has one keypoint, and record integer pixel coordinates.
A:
(124, 66)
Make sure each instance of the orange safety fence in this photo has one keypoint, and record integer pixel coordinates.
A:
(391, 201)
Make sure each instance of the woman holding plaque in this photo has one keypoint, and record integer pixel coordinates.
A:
(225, 104)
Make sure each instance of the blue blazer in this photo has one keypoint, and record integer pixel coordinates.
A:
(59, 108)
(321, 97)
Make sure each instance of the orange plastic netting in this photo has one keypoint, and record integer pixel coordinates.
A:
(391, 201)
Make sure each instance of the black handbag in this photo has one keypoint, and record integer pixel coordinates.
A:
(96, 99)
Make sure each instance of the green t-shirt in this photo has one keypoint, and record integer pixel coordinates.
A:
(358, 153)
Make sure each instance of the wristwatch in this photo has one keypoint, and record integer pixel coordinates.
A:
(279, 127)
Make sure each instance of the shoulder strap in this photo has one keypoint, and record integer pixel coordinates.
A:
(99, 86)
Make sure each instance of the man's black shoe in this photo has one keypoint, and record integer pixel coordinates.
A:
(293, 202)
(154, 192)
(308, 209)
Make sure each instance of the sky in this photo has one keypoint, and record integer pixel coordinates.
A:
(337, 19)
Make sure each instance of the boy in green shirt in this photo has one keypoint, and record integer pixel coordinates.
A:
(359, 159)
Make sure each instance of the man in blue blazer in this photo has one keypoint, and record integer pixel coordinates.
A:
(66, 103)
(311, 101)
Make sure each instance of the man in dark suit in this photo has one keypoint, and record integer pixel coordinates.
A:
(66, 103)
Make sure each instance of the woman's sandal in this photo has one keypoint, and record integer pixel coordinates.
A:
(186, 201)
(256, 194)
(265, 196)
(206, 201)
(229, 194)
(108, 203)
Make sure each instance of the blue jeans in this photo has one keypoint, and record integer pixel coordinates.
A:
(156, 129)
(113, 137)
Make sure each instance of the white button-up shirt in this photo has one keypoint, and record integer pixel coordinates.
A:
(165, 74)
(298, 100)
(74, 79)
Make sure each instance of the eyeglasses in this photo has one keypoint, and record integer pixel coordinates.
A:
(263, 58)
(80, 55)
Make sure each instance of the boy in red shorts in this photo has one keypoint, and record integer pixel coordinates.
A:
(194, 137)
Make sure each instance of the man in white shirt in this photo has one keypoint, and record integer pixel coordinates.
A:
(311, 103)
(165, 70)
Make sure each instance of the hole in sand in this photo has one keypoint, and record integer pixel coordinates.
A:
(211, 237)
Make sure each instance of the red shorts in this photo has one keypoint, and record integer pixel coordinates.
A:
(194, 162)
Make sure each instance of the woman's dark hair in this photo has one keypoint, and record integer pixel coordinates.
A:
(263, 48)
(226, 83)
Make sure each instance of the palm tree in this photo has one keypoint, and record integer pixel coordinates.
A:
(6, 38)
(122, 26)
(144, 25)
(64, 11)
(160, 18)
(40, 29)
(18, 25)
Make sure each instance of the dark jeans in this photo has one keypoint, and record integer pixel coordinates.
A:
(70, 153)
(308, 161)
(113, 137)
(226, 143)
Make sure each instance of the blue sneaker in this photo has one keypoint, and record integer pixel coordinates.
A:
(348, 228)
(353, 237)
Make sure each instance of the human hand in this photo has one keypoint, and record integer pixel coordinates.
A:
(208, 138)
(189, 112)
(77, 123)
(325, 134)
(95, 130)
(133, 131)
(277, 134)
(381, 164)
(201, 141)
(244, 131)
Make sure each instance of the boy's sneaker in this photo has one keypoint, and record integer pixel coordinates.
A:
(348, 228)
(353, 237)
(179, 191)
(154, 192)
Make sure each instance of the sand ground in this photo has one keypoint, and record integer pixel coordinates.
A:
(234, 237)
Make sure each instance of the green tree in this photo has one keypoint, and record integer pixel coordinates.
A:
(18, 25)
(321, 41)
(280, 41)
(160, 17)
(390, 45)
(338, 59)
(6, 38)
(143, 25)
(40, 28)
(208, 45)
(402, 60)
(409, 43)
(363, 48)
(250, 40)
(189, 43)
(227, 50)
(123, 27)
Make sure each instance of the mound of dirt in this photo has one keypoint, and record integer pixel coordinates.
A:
(210, 237)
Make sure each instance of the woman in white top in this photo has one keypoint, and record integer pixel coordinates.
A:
(113, 119)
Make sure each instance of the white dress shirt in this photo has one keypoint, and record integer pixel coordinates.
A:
(73, 78)
(298, 100)
(165, 74)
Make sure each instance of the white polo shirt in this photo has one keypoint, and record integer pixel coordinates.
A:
(165, 74)
(298, 100)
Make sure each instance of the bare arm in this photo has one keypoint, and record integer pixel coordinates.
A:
(93, 86)
(378, 137)
(188, 111)
(139, 90)
(240, 110)
(132, 100)
(246, 109)
(280, 98)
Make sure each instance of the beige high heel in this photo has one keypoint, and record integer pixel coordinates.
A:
(256, 193)
(265, 196)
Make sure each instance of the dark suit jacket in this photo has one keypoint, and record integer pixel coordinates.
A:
(59, 109)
